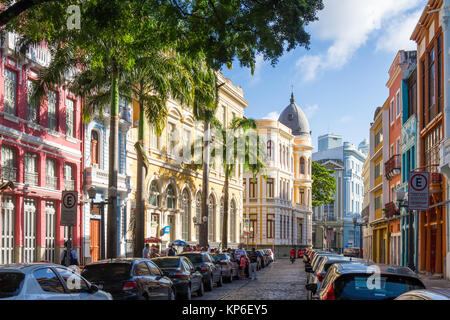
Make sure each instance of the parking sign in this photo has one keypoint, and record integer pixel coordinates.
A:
(69, 208)
(418, 191)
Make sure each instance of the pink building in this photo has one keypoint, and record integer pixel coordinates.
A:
(41, 152)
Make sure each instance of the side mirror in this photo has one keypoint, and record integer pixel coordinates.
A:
(311, 287)
(93, 288)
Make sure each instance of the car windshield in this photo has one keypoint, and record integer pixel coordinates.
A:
(194, 257)
(360, 287)
(10, 284)
(107, 271)
(164, 263)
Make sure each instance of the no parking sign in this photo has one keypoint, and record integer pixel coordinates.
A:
(69, 208)
(418, 191)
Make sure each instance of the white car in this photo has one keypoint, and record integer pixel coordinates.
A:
(46, 281)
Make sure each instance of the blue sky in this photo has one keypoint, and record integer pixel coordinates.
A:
(341, 80)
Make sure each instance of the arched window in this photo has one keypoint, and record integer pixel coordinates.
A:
(171, 197)
(302, 196)
(95, 154)
(269, 149)
(309, 167)
(198, 213)
(154, 194)
(302, 165)
(186, 215)
(211, 222)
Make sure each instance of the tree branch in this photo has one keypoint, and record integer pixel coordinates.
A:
(17, 8)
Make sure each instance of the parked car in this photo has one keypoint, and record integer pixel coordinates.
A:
(350, 281)
(312, 269)
(229, 269)
(204, 262)
(260, 262)
(316, 256)
(46, 281)
(130, 279)
(428, 294)
(316, 277)
(247, 262)
(352, 252)
(265, 260)
(269, 254)
(182, 272)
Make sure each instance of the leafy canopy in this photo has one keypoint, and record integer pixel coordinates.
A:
(324, 185)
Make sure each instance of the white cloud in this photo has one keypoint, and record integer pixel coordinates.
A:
(398, 33)
(311, 110)
(348, 24)
(272, 116)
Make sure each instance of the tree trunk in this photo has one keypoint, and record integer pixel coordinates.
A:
(113, 167)
(140, 187)
(205, 184)
(225, 208)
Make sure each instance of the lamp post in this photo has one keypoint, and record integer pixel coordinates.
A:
(360, 225)
(403, 203)
(355, 221)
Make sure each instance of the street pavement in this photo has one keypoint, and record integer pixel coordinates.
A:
(281, 280)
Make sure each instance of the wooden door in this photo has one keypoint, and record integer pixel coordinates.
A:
(433, 250)
(95, 240)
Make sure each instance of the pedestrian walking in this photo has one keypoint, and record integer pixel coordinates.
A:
(253, 264)
(239, 252)
(292, 255)
(172, 251)
(73, 257)
(146, 251)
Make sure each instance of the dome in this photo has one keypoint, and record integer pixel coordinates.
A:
(294, 118)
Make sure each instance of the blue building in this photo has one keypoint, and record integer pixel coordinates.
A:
(96, 163)
(408, 150)
(353, 187)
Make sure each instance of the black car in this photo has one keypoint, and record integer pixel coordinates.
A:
(204, 262)
(428, 294)
(182, 272)
(367, 281)
(130, 279)
(317, 275)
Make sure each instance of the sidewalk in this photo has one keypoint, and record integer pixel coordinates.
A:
(433, 282)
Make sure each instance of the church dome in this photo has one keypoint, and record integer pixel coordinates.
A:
(294, 118)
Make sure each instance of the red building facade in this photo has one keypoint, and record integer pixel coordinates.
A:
(41, 153)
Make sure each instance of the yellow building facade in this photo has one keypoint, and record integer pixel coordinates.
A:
(173, 190)
(278, 206)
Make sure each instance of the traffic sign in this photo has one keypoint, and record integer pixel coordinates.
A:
(418, 191)
(69, 208)
(166, 229)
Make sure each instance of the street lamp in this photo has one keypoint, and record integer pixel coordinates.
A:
(360, 225)
(402, 200)
(92, 193)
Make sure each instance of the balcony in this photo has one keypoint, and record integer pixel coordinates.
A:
(69, 184)
(9, 173)
(391, 210)
(99, 178)
(51, 182)
(392, 167)
(35, 53)
(31, 178)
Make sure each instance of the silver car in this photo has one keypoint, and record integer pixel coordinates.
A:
(46, 281)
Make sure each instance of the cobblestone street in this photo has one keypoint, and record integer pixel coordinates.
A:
(281, 280)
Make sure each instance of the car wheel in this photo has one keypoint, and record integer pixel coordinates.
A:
(220, 282)
(188, 295)
(171, 294)
(209, 284)
(201, 290)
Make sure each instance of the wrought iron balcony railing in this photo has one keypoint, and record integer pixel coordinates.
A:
(392, 167)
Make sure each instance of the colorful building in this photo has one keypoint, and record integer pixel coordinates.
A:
(41, 153)
(96, 164)
(279, 207)
(174, 189)
(428, 35)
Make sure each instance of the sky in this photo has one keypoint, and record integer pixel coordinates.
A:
(342, 79)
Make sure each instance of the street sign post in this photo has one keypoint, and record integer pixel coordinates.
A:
(69, 208)
(418, 191)
(69, 205)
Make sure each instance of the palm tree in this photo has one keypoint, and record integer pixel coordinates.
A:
(239, 125)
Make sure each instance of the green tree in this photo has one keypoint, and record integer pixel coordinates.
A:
(324, 185)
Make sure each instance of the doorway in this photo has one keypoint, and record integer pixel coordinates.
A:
(433, 250)
(95, 239)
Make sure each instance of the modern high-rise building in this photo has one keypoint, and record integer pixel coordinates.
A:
(329, 141)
